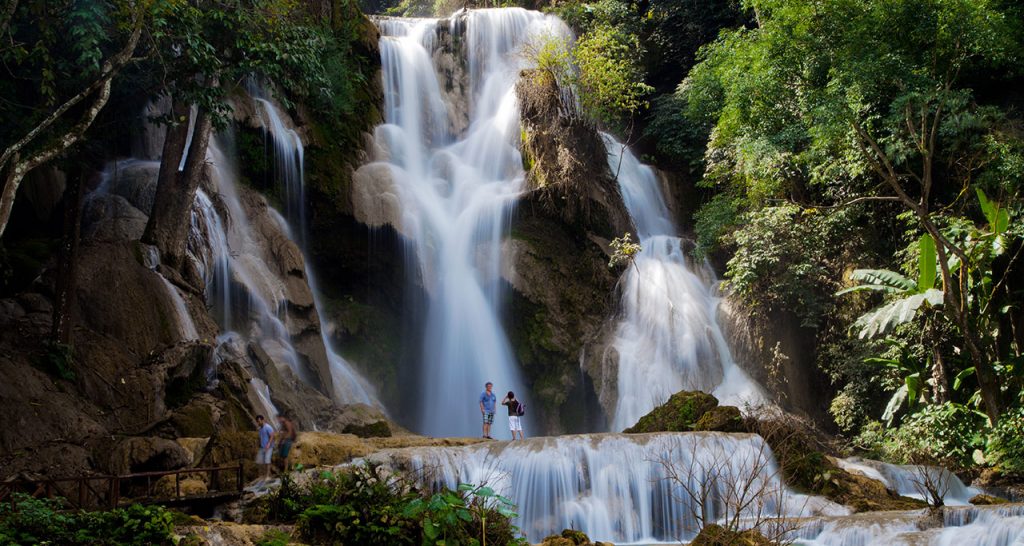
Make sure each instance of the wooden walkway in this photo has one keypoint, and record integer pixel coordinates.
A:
(107, 492)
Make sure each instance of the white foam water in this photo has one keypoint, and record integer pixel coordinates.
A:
(457, 192)
(668, 338)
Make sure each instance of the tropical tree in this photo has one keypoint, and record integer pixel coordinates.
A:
(61, 58)
(825, 105)
(206, 49)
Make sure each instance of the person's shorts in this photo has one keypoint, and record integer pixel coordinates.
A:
(488, 418)
(514, 424)
(263, 456)
(284, 449)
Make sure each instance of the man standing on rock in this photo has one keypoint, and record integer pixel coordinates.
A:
(487, 400)
(266, 451)
(286, 438)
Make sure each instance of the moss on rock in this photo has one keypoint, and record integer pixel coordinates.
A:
(378, 429)
(680, 413)
(982, 499)
(721, 419)
(716, 535)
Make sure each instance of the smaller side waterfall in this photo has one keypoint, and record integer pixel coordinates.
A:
(907, 480)
(668, 339)
(289, 158)
(622, 488)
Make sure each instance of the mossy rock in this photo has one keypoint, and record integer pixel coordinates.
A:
(721, 419)
(679, 414)
(982, 499)
(716, 535)
(231, 447)
(569, 537)
(377, 429)
(194, 421)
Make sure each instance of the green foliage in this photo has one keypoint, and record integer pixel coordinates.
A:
(912, 295)
(52, 50)
(784, 259)
(1005, 450)
(946, 434)
(274, 537)
(58, 359)
(368, 505)
(206, 48)
(28, 520)
(624, 250)
(610, 74)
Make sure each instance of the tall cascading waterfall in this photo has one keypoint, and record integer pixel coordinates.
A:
(240, 282)
(619, 488)
(290, 171)
(457, 188)
(668, 339)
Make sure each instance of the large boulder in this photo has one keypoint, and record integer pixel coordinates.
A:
(361, 420)
(327, 449)
(147, 454)
(680, 413)
(721, 419)
(716, 535)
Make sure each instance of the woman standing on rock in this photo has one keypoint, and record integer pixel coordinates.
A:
(515, 411)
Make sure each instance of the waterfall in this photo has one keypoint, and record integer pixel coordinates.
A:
(620, 488)
(457, 189)
(907, 480)
(1001, 525)
(289, 159)
(668, 339)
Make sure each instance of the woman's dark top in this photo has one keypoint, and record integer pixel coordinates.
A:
(513, 405)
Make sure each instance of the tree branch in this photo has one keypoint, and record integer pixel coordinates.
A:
(17, 170)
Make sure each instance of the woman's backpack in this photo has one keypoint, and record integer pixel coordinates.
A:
(521, 409)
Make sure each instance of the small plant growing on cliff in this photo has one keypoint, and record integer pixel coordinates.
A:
(624, 251)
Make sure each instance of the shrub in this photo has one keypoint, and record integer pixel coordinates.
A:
(28, 520)
(945, 434)
(1005, 448)
(369, 505)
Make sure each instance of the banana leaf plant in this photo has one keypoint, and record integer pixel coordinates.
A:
(908, 296)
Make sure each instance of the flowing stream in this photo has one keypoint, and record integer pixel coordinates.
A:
(640, 489)
(457, 188)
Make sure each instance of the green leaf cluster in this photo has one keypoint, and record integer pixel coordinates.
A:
(367, 504)
(28, 520)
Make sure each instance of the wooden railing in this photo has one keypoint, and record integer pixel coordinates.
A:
(106, 492)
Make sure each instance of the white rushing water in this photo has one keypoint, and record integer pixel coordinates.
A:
(247, 294)
(1001, 525)
(620, 488)
(910, 480)
(668, 339)
(457, 189)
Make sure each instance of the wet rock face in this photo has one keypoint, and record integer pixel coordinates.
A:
(147, 454)
(556, 261)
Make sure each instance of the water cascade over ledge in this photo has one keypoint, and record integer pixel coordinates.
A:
(619, 488)
(668, 339)
(451, 153)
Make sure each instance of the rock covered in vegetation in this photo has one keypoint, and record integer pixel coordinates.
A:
(679, 414)
(571, 537)
(721, 419)
(802, 453)
(981, 499)
(716, 535)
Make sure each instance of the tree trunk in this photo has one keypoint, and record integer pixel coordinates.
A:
(61, 327)
(169, 219)
(952, 306)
